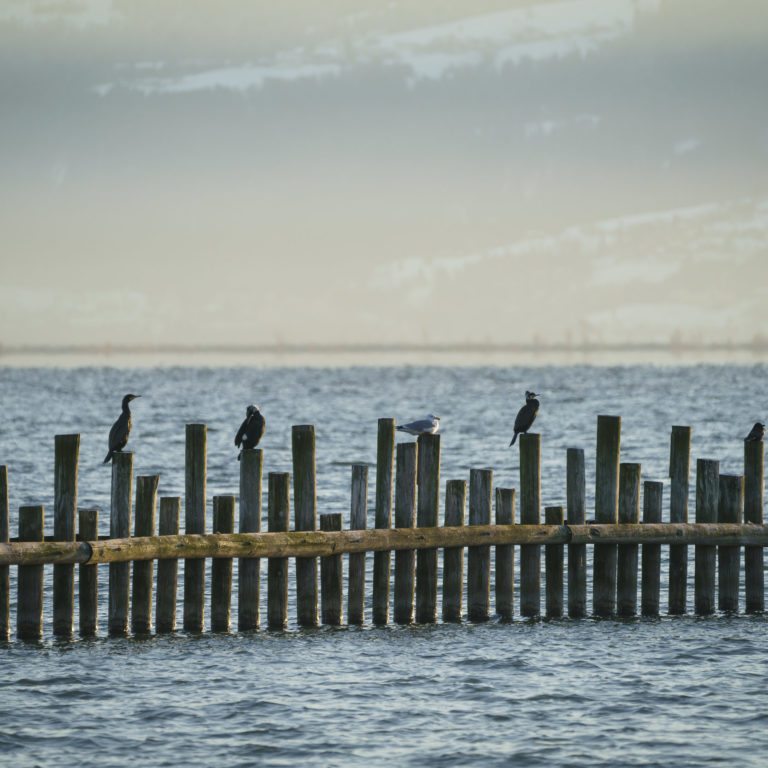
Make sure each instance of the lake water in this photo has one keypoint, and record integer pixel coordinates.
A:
(669, 691)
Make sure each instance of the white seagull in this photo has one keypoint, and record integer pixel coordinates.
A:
(427, 426)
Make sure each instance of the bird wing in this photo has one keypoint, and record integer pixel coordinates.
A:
(420, 425)
(255, 429)
(241, 432)
(526, 416)
(118, 435)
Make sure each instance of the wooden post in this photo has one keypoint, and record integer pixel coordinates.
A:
(195, 469)
(651, 569)
(479, 558)
(167, 570)
(29, 603)
(305, 511)
(5, 577)
(505, 556)
(120, 528)
(251, 462)
(221, 567)
(730, 501)
(357, 522)
(679, 470)
(143, 570)
(66, 452)
(553, 563)
(629, 512)
(606, 511)
(530, 514)
(330, 576)
(427, 516)
(707, 494)
(576, 493)
(88, 588)
(453, 557)
(754, 486)
(405, 517)
(385, 454)
(278, 510)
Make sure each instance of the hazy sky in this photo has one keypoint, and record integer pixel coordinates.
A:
(368, 172)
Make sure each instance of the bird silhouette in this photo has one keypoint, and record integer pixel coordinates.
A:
(426, 426)
(251, 430)
(118, 435)
(526, 415)
(756, 433)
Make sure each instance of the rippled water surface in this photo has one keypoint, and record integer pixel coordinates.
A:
(671, 691)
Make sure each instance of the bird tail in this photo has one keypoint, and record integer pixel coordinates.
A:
(239, 455)
(401, 429)
(109, 457)
(514, 437)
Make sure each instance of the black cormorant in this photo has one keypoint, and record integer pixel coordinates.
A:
(251, 430)
(118, 435)
(427, 426)
(526, 415)
(756, 434)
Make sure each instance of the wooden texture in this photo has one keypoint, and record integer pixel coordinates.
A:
(66, 452)
(729, 507)
(479, 558)
(428, 504)
(385, 455)
(651, 563)
(120, 528)
(627, 554)
(707, 494)
(305, 515)
(505, 556)
(606, 511)
(248, 569)
(29, 604)
(167, 570)
(143, 571)
(357, 522)
(5, 576)
(221, 568)
(576, 494)
(553, 563)
(754, 488)
(679, 472)
(331, 576)
(278, 511)
(453, 557)
(195, 482)
(530, 514)
(405, 518)
(88, 576)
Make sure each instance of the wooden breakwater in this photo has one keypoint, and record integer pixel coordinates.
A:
(728, 516)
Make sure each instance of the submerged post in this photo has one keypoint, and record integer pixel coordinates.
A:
(195, 462)
(651, 568)
(66, 452)
(606, 511)
(330, 576)
(730, 500)
(248, 568)
(221, 567)
(530, 514)
(357, 522)
(754, 486)
(553, 562)
(479, 558)
(629, 512)
(305, 511)
(453, 557)
(143, 570)
(505, 555)
(405, 517)
(576, 493)
(385, 454)
(427, 516)
(277, 567)
(5, 577)
(707, 495)
(120, 528)
(29, 604)
(88, 587)
(167, 570)
(679, 470)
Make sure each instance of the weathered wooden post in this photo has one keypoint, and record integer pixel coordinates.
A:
(357, 522)
(707, 494)
(167, 570)
(606, 511)
(679, 470)
(305, 512)
(576, 494)
(29, 603)
(730, 501)
(278, 510)
(195, 468)
(754, 486)
(453, 557)
(553, 563)
(505, 556)
(221, 567)
(5, 576)
(120, 528)
(427, 517)
(330, 576)
(530, 514)
(629, 512)
(66, 452)
(143, 570)
(405, 517)
(251, 462)
(385, 455)
(479, 558)
(88, 576)
(651, 564)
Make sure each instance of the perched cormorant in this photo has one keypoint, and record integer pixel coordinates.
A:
(118, 435)
(526, 415)
(427, 426)
(251, 430)
(756, 434)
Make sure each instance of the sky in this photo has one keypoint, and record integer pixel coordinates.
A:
(363, 172)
